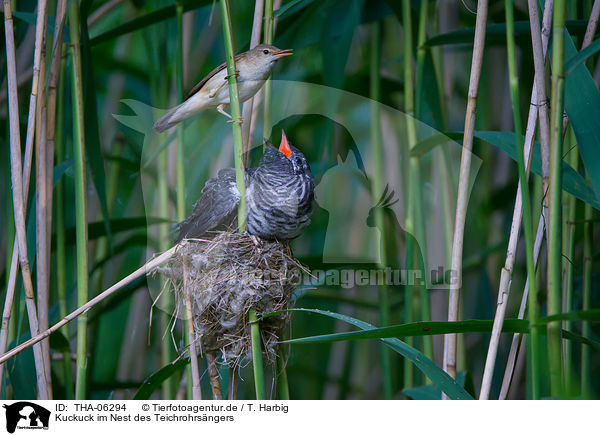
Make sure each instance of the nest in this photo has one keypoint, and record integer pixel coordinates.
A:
(227, 275)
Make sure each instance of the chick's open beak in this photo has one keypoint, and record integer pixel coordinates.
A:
(282, 53)
(284, 147)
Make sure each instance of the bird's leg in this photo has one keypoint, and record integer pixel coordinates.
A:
(221, 110)
(236, 74)
(221, 106)
(213, 93)
(238, 121)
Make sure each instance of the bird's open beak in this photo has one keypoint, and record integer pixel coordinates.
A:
(284, 147)
(282, 53)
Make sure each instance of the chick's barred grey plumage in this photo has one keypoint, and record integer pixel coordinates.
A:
(279, 197)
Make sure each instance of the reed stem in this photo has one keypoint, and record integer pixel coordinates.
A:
(586, 328)
(415, 163)
(538, 102)
(214, 376)
(282, 379)
(179, 74)
(148, 267)
(526, 205)
(267, 89)
(61, 264)
(193, 380)
(555, 192)
(167, 350)
(240, 179)
(42, 239)
(248, 109)
(377, 190)
(257, 359)
(569, 217)
(449, 363)
(588, 235)
(20, 184)
(80, 199)
(241, 183)
(195, 372)
(516, 340)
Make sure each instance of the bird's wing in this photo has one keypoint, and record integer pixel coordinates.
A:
(209, 76)
(216, 207)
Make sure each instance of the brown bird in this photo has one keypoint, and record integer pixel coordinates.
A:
(253, 68)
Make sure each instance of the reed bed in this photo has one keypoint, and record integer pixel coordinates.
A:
(469, 160)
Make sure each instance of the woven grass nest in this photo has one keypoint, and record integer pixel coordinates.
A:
(226, 274)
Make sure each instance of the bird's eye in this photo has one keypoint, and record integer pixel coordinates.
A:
(266, 51)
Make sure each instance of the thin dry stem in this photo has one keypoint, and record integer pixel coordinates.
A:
(516, 340)
(213, 373)
(145, 269)
(42, 236)
(538, 101)
(196, 392)
(46, 135)
(462, 197)
(590, 31)
(57, 46)
(20, 179)
(539, 39)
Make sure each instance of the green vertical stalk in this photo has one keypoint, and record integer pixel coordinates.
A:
(167, 352)
(180, 167)
(421, 53)
(284, 388)
(257, 358)
(101, 248)
(80, 200)
(267, 89)
(180, 176)
(448, 193)
(586, 328)
(377, 190)
(156, 46)
(415, 181)
(554, 243)
(414, 217)
(411, 139)
(569, 252)
(259, 378)
(235, 115)
(527, 224)
(61, 263)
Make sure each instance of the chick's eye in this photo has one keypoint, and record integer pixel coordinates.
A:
(266, 51)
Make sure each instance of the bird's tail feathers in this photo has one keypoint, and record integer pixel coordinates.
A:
(173, 117)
